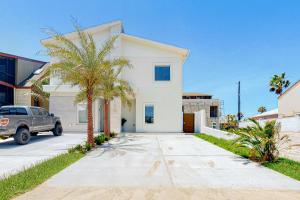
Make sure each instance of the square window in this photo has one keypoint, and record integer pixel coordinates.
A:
(162, 73)
(149, 114)
(82, 113)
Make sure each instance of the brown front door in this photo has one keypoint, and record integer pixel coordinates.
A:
(188, 122)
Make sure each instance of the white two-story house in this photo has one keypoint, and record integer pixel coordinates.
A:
(156, 78)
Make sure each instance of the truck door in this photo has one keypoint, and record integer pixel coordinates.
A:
(37, 119)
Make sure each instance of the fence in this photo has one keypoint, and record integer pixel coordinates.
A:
(287, 124)
(201, 127)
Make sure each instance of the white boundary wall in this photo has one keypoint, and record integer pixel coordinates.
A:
(288, 124)
(201, 127)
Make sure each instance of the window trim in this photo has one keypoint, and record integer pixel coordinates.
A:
(77, 113)
(144, 114)
(162, 64)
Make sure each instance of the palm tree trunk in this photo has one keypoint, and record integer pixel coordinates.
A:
(90, 134)
(106, 117)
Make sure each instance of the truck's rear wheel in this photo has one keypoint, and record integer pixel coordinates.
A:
(57, 131)
(22, 136)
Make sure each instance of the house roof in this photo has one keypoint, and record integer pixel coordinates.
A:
(95, 29)
(19, 57)
(36, 75)
(267, 113)
(91, 30)
(194, 94)
(182, 51)
(290, 88)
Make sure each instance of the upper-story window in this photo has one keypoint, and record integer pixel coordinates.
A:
(213, 111)
(162, 73)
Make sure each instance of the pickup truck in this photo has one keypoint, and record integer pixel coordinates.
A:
(22, 122)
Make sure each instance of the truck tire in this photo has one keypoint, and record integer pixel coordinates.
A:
(57, 131)
(22, 136)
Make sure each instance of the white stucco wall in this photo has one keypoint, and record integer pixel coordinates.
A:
(289, 102)
(22, 97)
(201, 127)
(287, 124)
(166, 96)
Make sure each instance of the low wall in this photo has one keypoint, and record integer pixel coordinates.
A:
(288, 124)
(201, 127)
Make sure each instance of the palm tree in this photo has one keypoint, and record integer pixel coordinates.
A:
(261, 109)
(278, 83)
(82, 65)
(264, 142)
(114, 87)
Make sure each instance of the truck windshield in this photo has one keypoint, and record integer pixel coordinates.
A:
(13, 111)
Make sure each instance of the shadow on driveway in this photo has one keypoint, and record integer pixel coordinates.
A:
(10, 143)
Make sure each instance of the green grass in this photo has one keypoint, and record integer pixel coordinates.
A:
(28, 179)
(282, 165)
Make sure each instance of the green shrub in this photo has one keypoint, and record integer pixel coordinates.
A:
(112, 134)
(107, 138)
(99, 139)
(263, 141)
(87, 147)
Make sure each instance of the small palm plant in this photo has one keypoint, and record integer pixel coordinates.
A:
(264, 142)
(278, 83)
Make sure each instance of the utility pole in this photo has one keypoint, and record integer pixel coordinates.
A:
(239, 101)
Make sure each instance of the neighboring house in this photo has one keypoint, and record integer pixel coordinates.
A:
(16, 74)
(194, 102)
(289, 109)
(289, 102)
(156, 78)
(268, 115)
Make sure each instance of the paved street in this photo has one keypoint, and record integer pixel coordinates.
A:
(153, 166)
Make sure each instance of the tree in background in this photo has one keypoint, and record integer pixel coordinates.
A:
(261, 109)
(278, 83)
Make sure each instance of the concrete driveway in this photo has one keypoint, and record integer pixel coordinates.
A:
(15, 157)
(149, 166)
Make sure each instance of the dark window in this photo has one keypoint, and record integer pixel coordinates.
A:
(7, 70)
(162, 73)
(6, 95)
(13, 111)
(35, 111)
(44, 112)
(149, 114)
(213, 111)
(196, 97)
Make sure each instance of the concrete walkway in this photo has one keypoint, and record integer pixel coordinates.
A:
(165, 167)
(14, 158)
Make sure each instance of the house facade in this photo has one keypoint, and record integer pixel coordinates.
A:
(156, 78)
(194, 102)
(16, 73)
(289, 109)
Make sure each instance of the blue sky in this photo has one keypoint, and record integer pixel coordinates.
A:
(228, 40)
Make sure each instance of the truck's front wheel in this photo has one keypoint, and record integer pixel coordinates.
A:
(22, 136)
(57, 131)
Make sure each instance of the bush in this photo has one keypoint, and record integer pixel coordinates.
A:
(81, 148)
(112, 134)
(99, 139)
(87, 147)
(263, 142)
